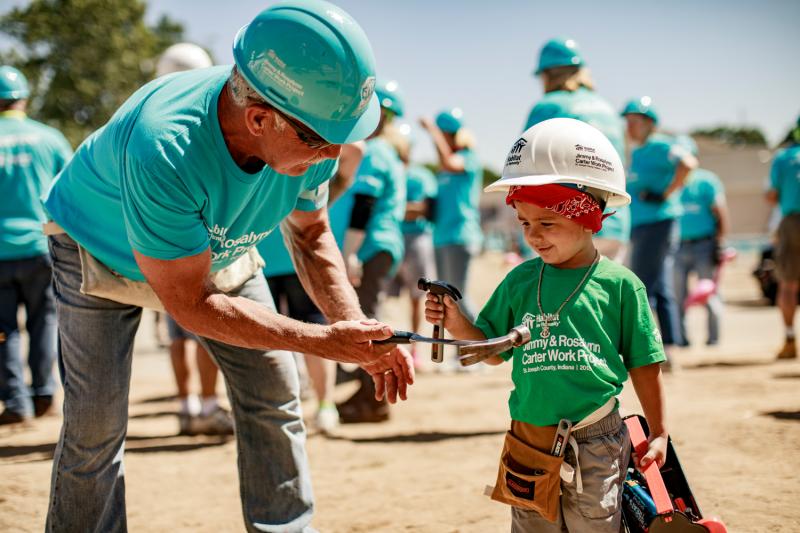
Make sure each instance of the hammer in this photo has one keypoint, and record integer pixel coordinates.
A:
(438, 289)
(478, 351)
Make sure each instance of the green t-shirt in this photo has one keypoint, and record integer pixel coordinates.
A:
(604, 330)
(31, 154)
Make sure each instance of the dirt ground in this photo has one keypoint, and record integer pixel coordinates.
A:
(734, 416)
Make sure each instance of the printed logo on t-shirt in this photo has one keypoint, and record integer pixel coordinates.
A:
(559, 352)
(227, 249)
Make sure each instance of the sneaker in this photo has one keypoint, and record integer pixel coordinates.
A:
(42, 405)
(327, 418)
(187, 424)
(10, 417)
(789, 350)
(218, 422)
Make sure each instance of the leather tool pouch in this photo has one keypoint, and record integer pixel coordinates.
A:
(529, 478)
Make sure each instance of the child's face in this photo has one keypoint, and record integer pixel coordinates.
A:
(558, 240)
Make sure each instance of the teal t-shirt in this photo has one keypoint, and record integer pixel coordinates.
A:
(653, 166)
(784, 178)
(420, 185)
(381, 175)
(277, 261)
(587, 106)
(457, 219)
(603, 331)
(31, 154)
(158, 179)
(702, 192)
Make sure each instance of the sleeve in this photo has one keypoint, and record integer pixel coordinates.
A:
(472, 165)
(369, 180)
(315, 195)
(676, 153)
(62, 151)
(717, 191)
(641, 339)
(162, 219)
(540, 113)
(497, 317)
(775, 174)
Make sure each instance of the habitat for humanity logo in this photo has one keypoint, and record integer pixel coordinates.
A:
(514, 156)
(582, 148)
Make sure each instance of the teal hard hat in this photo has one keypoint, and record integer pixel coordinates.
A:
(312, 61)
(641, 106)
(13, 85)
(450, 120)
(559, 53)
(389, 97)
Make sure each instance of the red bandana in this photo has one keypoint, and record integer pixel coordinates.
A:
(565, 201)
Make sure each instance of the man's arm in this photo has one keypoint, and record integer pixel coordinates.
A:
(685, 165)
(184, 288)
(450, 161)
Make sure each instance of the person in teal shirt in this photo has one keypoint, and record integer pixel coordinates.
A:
(704, 224)
(784, 191)
(658, 169)
(31, 154)
(569, 93)
(373, 243)
(185, 179)
(457, 235)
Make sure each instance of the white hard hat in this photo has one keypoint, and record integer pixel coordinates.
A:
(182, 56)
(568, 151)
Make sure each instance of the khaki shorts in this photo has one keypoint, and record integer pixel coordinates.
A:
(787, 249)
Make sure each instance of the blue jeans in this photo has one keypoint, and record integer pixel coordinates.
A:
(95, 349)
(697, 256)
(653, 260)
(452, 266)
(27, 282)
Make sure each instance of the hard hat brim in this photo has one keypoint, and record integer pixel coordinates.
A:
(617, 198)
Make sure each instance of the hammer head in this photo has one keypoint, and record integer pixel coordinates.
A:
(478, 351)
(439, 287)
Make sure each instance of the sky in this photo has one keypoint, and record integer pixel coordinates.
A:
(704, 62)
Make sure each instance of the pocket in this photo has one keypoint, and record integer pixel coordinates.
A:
(528, 478)
(603, 462)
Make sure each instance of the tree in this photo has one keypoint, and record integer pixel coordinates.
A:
(734, 135)
(83, 58)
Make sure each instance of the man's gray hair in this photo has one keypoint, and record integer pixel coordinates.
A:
(241, 92)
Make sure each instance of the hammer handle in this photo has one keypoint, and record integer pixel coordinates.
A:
(437, 350)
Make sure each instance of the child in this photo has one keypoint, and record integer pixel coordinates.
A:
(590, 324)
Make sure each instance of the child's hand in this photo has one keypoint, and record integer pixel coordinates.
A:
(434, 311)
(656, 451)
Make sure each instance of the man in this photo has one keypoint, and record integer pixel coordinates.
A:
(31, 154)
(785, 191)
(176, 190)
(658, 169)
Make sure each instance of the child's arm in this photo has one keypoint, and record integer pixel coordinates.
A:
(649, 388)
(455, 322)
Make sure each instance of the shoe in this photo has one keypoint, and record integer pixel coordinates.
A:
(789, 350)
(327, 418)
(187, 424)
(218, 422)
(364, 412)
(42, 405)
(10, 417)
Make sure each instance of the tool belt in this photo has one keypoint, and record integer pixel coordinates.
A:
(529, 477)
(99, 280)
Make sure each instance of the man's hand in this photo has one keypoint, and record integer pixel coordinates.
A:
(396, 378)
(656, 451)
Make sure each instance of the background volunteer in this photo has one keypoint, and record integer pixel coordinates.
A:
(658, 169)
(31, 154)
(569, 93)
(373, 242)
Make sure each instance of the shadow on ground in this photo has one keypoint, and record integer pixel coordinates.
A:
(784, 415)
(420, 438)
(29, 453)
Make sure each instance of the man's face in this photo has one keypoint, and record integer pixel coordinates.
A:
(554, 237)
(287, 146)
(639, 127)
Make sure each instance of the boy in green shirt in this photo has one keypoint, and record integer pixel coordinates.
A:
(590, 322)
